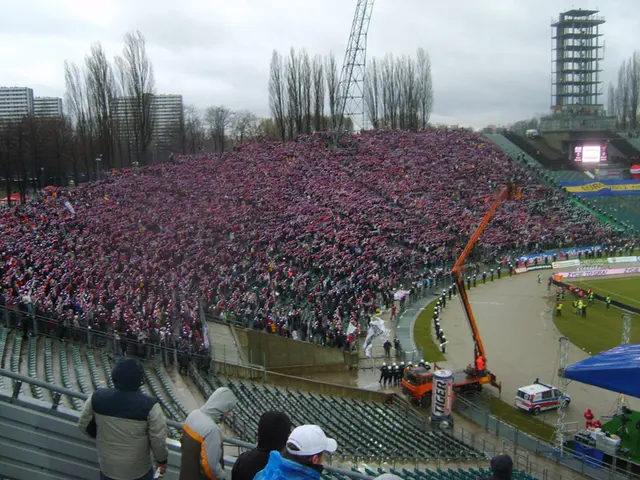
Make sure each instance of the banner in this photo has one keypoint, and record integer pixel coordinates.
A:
(565, 251)
(521, 270)
(205, 334)
(602, 273)
(376, 329)
(531, 268)
(623, 259)
(69, 207)
(566, 263)
(400, 294)
(603, 188)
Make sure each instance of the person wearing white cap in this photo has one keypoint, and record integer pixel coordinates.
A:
(302, 457)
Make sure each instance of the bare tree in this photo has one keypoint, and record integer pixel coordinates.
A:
(306, 82)
(77, 108)
(277, 93)
(611, 100)
(408, 100)
(318, 93)
(622, 96)
(294, 94)
(100, 85)
(218, 118)
(193, 131)
(389, 92)
(243, 125)
(333, 86)
(372, 94)
(425, 86)
(139, 88)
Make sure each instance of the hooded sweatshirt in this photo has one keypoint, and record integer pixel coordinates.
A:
(128, 426)
(201, 440)
(280, 468)
(273, 431)
(501, 467)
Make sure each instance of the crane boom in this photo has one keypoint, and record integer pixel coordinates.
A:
(507, 192)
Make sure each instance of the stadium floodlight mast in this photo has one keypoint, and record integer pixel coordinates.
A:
(563, 363)
(351, 88)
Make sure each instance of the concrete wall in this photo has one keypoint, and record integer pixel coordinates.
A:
(273, 351)
(325, 388)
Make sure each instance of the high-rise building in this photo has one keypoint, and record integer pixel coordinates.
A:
(47, 107)
(15, 103)
(578, 54)
(166, 111)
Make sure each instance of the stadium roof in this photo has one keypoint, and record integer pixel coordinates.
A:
(617, 370)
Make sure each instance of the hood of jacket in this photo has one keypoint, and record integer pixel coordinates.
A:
(280, 468)
(127, 374)
(273, 431)
(220, 402)
(502, 466)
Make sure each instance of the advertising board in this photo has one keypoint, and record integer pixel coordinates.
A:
(566, 263)
(602, 273)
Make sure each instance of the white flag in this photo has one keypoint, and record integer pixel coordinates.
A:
(69, 207)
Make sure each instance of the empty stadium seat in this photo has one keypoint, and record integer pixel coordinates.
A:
(76, 404)
(78, 366)
(93, 370)
(36, 391)
(167, 387)
(362, 429)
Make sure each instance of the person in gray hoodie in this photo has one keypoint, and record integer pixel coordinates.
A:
(202, 452)
(128, 426)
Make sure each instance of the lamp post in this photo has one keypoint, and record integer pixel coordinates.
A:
(41, 178)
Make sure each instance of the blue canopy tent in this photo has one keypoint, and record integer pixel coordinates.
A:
(617, 370)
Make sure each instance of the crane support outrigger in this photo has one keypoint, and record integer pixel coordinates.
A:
(418, 381)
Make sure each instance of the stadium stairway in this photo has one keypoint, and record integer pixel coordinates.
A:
(627, 146)
(225, 341)
(513, 150)
(546, 156)
(635, 142)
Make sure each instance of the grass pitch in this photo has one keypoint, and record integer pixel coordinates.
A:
(625, 290)
(423, 337)
(601, 329)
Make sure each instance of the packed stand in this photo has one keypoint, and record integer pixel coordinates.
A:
(291, 238)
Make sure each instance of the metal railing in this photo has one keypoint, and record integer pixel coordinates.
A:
(512, 438)
(166, 351)
(58, 392)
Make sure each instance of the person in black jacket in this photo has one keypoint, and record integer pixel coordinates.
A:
(128, 426)
(273, 431)
(501, 468)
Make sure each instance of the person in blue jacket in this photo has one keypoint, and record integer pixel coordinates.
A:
(302, 457)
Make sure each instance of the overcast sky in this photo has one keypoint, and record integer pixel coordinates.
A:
(491, 59)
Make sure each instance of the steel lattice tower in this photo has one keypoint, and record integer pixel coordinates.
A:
(577, 83)
(352, 79)
(563, 363)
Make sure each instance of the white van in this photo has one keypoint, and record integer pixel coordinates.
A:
(532, 133)
(539, 397)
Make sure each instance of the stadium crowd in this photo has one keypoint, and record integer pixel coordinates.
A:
(292, 238)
